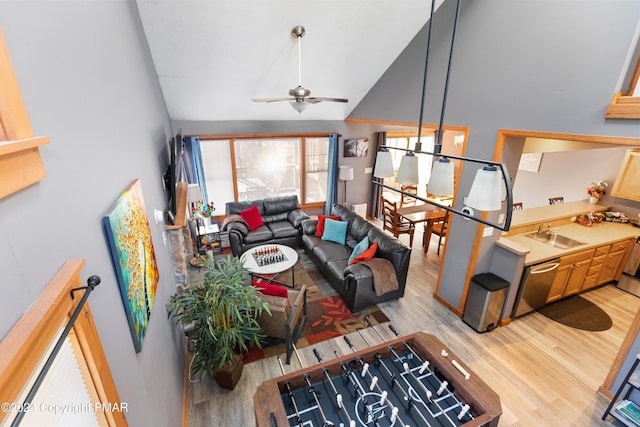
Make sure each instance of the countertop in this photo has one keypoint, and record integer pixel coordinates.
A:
(534, 216)
(597, 235)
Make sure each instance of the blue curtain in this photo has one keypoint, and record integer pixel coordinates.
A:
(193, 164)
(332, 175)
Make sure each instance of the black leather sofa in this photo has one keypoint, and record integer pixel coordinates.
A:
(354, 283)
(282, 223)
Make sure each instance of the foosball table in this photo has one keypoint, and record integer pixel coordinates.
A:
(406, 382)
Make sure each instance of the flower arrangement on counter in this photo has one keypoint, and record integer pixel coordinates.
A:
(204, 210)
(597, 189)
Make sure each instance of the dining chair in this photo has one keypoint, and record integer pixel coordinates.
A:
(556, 200)
(393, 222)
(440, 229)
(408, 200)
(517, 206)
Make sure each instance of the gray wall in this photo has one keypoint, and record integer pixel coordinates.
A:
(530, 65)
(88, 82)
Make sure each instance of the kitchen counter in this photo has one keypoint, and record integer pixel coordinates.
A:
(528, 219)
(597, 235)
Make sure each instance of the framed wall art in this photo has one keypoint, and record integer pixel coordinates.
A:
(530, 162)
(129, 239)
(356, 147)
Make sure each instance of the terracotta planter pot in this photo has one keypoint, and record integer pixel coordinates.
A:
(229, 375)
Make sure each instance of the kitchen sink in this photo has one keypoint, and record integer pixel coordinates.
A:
(556, 240)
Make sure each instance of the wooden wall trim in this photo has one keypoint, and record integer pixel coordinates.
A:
(186, 384)
(623, 107)
(600, 139)
(632, 334)
(407, 124)
(23, 347)
(204, 137)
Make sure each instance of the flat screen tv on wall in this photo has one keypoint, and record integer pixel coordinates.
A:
(173, 172)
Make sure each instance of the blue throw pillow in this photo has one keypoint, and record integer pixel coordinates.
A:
(335, 231)
(362, 246)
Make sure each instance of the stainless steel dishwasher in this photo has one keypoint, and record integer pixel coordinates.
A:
(534, 287)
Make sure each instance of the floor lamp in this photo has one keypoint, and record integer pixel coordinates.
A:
(345, 174)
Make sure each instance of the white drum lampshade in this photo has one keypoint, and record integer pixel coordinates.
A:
(345, 173)
(384, 164)
(408, 172)
(441, 181)
(486, 190)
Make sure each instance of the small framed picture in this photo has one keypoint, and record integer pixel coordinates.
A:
(356, 147)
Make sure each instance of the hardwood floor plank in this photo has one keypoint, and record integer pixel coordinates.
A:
(546, 374)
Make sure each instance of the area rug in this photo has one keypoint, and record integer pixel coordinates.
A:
(327, 315)
(579, 313)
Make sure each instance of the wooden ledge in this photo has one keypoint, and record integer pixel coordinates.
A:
(623, 107)
(20, 164)
(9, 147)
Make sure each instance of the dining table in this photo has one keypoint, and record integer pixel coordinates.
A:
(423, 213)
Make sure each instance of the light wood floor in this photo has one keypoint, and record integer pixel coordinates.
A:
(546, 374)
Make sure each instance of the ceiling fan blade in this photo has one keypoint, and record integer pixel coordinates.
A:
(315, 100)
(272, 99)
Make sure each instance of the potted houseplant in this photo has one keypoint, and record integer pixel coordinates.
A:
(221, 316)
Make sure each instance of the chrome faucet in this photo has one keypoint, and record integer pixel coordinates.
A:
(543, 227)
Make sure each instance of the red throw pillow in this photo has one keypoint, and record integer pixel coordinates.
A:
(321, 219)
(368, 254)
(269, 289)
(252, 217)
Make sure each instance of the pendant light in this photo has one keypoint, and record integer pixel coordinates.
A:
(384, 164)
(486, 190)
(441, 180)
(408, 172)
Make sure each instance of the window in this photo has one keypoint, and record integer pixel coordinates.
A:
(626, 102)
(424, 160)
(250, 169)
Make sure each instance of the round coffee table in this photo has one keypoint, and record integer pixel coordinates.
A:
(271, 259)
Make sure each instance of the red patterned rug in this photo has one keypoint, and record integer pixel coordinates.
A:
(326, 318)
(327, 315)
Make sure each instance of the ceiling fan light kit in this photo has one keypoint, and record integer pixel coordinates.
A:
(300, 95)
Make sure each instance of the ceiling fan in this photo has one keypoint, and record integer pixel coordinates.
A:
(299, 96)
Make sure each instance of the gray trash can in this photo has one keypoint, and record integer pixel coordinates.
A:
(485, 301)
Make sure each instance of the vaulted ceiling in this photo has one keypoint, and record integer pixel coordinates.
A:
(213, 57)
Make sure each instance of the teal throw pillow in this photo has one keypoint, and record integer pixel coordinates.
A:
(335, 231)
(362, 246)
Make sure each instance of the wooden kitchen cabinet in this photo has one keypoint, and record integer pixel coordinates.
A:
(576, 278)
(612, 264)
(570, 275)
(627, 184)
(593, 273)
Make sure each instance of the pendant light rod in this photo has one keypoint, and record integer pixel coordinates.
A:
(446, 81)
(300, 59)
(418, 145)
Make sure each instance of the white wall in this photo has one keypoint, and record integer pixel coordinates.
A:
(568, 174)
(88, 82)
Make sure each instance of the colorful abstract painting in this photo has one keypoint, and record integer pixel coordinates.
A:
(129, 239)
